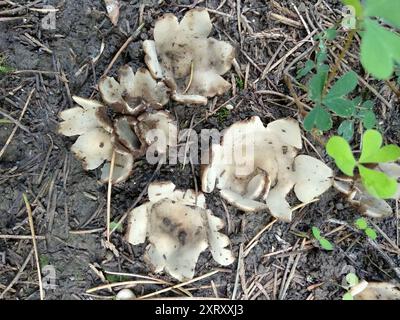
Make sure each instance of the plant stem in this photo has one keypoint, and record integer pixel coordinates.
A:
(335, 69)
(297, 101)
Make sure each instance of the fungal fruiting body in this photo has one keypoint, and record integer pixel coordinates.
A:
(255, 167)
(131, 129)
(178, 227)
(189, 63)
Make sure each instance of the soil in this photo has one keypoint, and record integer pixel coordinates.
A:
(69, 204)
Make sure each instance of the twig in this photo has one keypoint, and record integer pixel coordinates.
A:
(109, 190)
(235, 288)
(35, 249)
(124, 46)
(179, 285)
(335, 69)
(16, 278)
(3, 150)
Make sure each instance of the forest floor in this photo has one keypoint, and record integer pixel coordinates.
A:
(275, 260)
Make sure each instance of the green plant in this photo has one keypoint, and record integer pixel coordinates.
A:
(324, 243)
(362, 224)
(240, 83)
(334, 100)
(377, 183)
(352, 280)
(380, 46)
(112, 278)
(3, 67)
(117, 226)
(222, 114)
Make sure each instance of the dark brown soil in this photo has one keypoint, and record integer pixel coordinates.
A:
(66, 199)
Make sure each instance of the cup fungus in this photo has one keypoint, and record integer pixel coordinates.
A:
(361, 199)
(188, 62)
(179, 228)
(255, 167)
(129, 132)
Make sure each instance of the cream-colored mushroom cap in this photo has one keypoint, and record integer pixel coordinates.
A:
(126, 96)
(255, 167)
(189, 62)
(94, 145)
(179, 228)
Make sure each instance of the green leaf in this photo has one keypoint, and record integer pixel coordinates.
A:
(371, 233)
(380, 49)
(361, 224)
(331, 34)
(373, 153)
(346, 129)
(369, 104)
(356, 4)
(346, 84)
(347, 296)
(318, 118)
(368, 118)
(352, 279)
(342, 107)
(339, 149)
(306, 70)
(388, 153)
(325, 244)
(356, 101)
(117, 226)
(377, 183)
(316, 233)
(317, 84)
(388, 10)
(321, 58)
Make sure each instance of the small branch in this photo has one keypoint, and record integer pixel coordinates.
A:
(35, 249)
